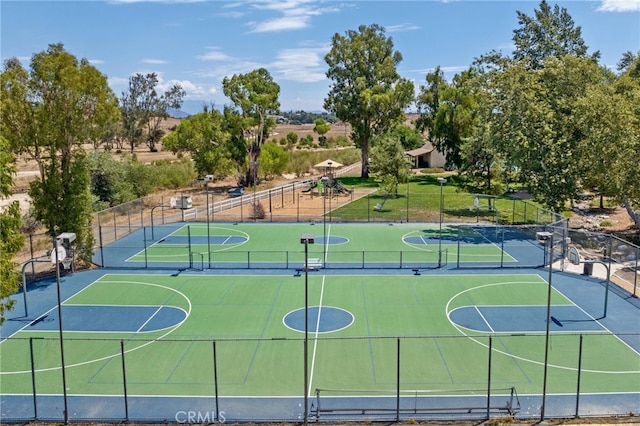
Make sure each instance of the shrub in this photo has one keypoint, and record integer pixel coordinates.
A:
(258, 210)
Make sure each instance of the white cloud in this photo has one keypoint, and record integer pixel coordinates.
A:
(95, 61)
(153, 61)
(619, 6)
(296, 14)
(301, 64)
(155, 1)
(229, 69)
(118, 81)
(402, 27)
(193, 90)
(281, 24)
(214, 54)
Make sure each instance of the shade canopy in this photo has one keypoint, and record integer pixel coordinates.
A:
(328, 164)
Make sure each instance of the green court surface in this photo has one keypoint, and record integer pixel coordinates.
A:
(334, 243)
(166, 333)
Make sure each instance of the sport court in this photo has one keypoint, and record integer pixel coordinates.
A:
(414, 341)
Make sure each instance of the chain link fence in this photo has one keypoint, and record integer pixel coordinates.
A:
(167, 380)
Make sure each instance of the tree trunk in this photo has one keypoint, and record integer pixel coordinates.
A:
(632, 213)
(364, 147)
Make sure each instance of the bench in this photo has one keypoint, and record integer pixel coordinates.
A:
(314, 264)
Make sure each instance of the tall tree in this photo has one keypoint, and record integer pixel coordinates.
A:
(143, 109)
(321, 127)
(48, 113)
(538, 131)
(367, 92)
(610, 118)
(274, 160)
(255, 95)
(203, 136)
(447, 113)
(389, 163)
(11, 239)
(551, 32)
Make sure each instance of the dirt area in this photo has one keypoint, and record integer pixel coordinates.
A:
(609, 220)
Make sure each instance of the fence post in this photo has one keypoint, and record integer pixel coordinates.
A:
(33, 380)
(458, 257)
(215, 379)
(189, 242)
(101, 246)
(124, 382)
(635, 276)
(33, 269)
(502, 247)
(489, 378)
(144, 239)
(398, 383)
(579, 374)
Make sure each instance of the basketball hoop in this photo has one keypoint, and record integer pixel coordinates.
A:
(66, 263)
(573, 256)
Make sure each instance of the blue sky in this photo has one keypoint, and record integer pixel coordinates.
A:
(197, 43)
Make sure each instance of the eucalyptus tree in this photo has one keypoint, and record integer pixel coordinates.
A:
(255, 98)
(447, 113)
(143, 109)
(48, 113)
(204, 137)
(367, 92)
(538, 130)
(610, 118)
(551, 32)
(11, 239)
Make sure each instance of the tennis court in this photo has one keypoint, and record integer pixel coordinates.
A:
(336, 245)
(227, 343)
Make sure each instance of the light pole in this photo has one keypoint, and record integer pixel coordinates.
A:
(57, 257)
(546, 236)
(441, 181)
(306, 239)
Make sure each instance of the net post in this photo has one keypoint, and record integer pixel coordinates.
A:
(124, 382)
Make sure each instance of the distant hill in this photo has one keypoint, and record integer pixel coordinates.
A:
(176, 113)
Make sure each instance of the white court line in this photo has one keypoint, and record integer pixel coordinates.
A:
(315, 343)
(150, 318)
(483, 318)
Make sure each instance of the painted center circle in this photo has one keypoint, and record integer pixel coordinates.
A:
(331, 319)
(332, 239)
